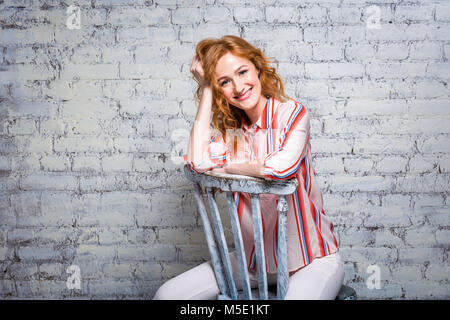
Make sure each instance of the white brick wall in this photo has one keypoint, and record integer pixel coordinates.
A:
(86, 118)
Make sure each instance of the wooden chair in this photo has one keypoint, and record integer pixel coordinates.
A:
(215, 237)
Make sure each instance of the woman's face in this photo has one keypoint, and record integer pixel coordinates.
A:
(238, 79)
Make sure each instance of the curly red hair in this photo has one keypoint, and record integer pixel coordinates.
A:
(209, 51)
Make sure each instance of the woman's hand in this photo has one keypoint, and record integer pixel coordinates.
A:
(221, 170)
(198, 73)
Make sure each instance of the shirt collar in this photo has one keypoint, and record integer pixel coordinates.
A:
(265, 118)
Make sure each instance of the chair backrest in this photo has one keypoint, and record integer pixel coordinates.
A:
(217, 245)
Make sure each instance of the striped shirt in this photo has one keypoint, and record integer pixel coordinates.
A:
(281, 137)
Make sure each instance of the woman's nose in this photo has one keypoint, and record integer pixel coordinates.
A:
(238, 88)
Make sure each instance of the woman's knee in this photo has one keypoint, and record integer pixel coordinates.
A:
(164, 292)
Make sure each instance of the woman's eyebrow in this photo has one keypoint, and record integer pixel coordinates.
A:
(244, 65)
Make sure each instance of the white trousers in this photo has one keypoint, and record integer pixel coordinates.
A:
(319, 280)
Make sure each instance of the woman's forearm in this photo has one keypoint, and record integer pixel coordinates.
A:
(199, 137)
(253, 168)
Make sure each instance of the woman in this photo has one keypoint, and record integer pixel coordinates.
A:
(246, 95)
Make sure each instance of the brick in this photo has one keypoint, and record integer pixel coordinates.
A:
(33, 144)
(442, 12)
(428, 107)
(218, 14)
(90, 89)
(392, 51)
(243, 15)
(25, 163)
(83, 36)
(439, 70)
(382, 145)
(357, 165)
(83, 144)
(86, 54)
(420, 255)
(84, 126)
(141, 145)
(367, 183)
(153, 52)
(400, 32)
(121, 162)
(437, 272)
(423, 236)
(422, 163)
(313, 15)
(346, 33)
(89, 71)
(285, 33)
(193, 253)
(359, 52)
(139, 16)
(154, 253)
(314, 34)
(435, 145)
(5, 163)
(405, 13)
(426, 290)
(32, 72)
(111, 288)
(329, 165)
(186, 16)
(425, 50)
(86, 163)
(114, 54)
(38, 253)
(36, 34)
(147, 35)
(35, 108)
(442, 237)
(149, 69)
(55, 163)
(107, 183)
(48, 182)
(384, 237)
(52, 127)
(431, 89)
(358, 89)
(154, 107)
(391, 165)
(395, 70)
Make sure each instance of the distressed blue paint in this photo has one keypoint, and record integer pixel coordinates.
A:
(218, 269)
(282, 253)
(239, 245)
(223, 248)
(259, 247)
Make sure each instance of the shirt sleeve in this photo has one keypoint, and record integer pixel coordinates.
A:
(215, 156)
(284, 162)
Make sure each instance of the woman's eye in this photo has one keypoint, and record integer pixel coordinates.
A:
(240, 72)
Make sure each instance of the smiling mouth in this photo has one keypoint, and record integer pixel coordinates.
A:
(245, 95)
